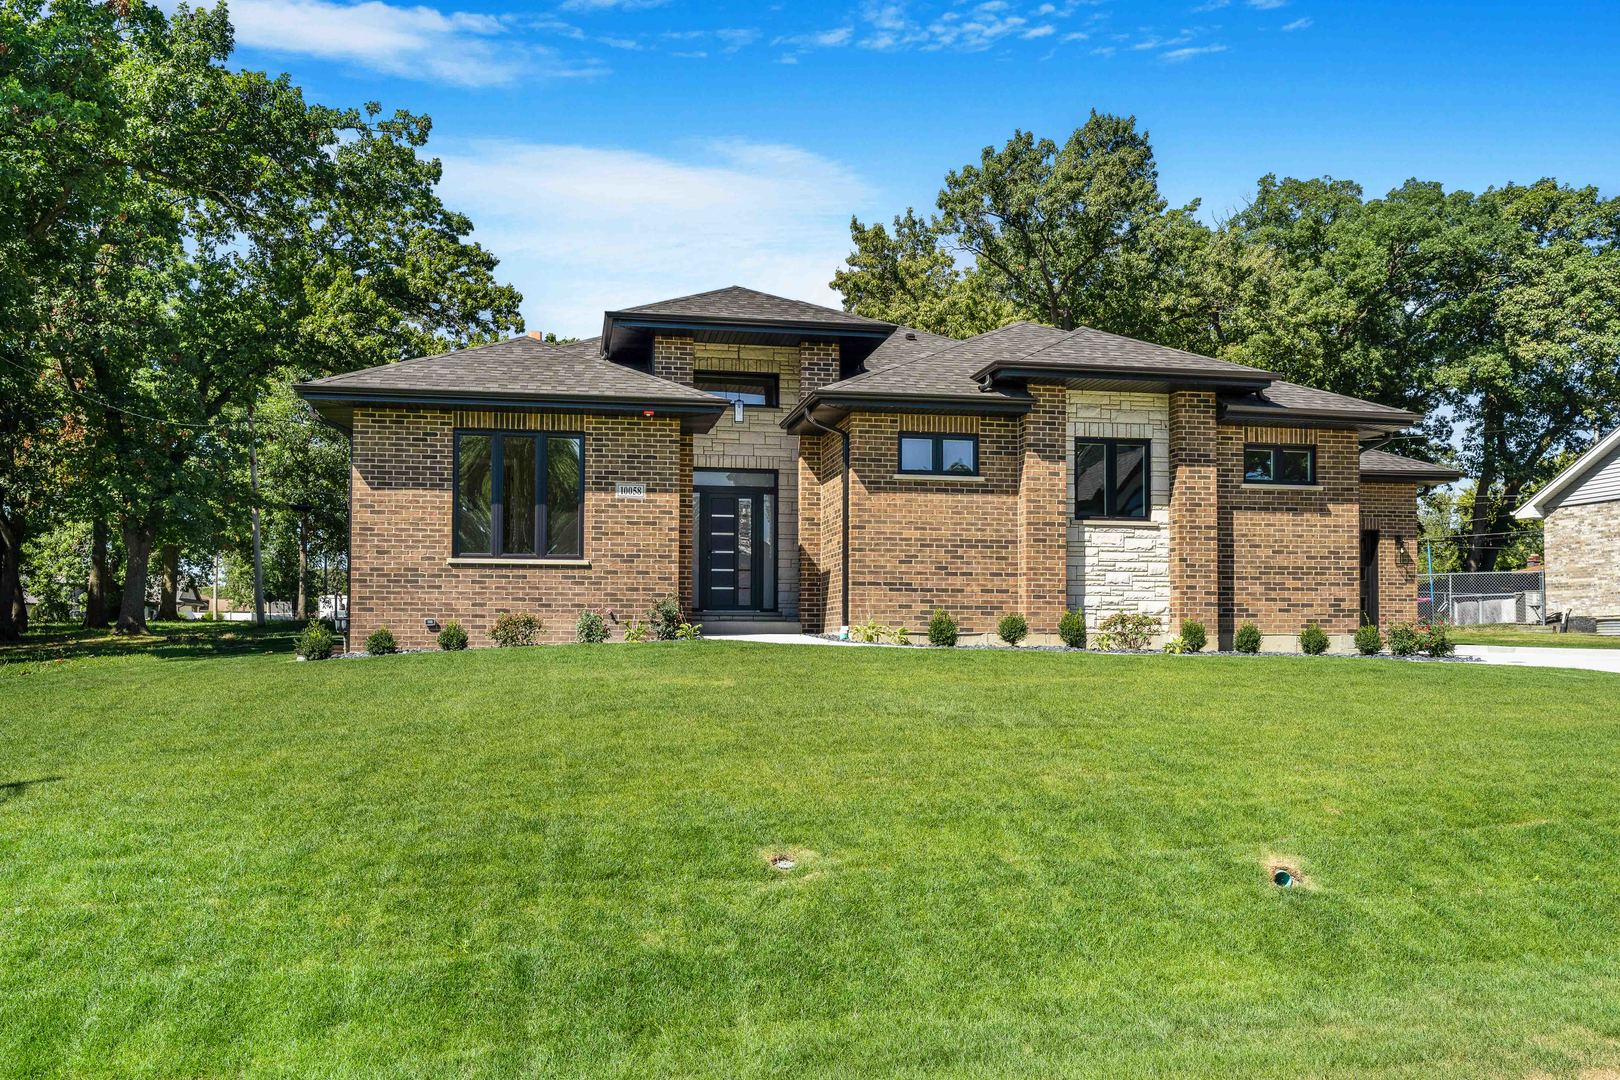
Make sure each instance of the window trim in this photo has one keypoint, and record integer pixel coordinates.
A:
(497, 506)
(1111, 478)
(1274, 448)
(769, 380)
(937, 438)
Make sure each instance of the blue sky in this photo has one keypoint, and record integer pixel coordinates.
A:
(613, 152)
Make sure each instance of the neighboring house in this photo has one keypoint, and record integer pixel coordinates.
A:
(1580, 509)
(770, 459)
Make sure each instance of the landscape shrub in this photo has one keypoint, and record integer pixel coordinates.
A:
(1369, 641)
(591, 629)
(899, 635)
(1072, 629)
(1193, 635)
(1313, 641)
(941, 629)
(1177, 645)
(1435, 639)
(688, 631)
(1012, 629)
(452, 638)
(1125, 632)
(1247, 638)
(381, 642)
(666, 618)
(515, 628)
(316, 642)
(636, 631)
(1403, 640)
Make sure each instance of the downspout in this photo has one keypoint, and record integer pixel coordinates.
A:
(843, 591)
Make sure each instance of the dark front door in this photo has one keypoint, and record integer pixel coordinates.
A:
(729, 571)
(1369, 578)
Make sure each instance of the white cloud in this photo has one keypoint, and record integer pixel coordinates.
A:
(1297, 24)
(583, 229)
(417, 42)
(604, 5)
(1210, 5)
(826, 39)
(1267, 5)
(1034, 32)
(1176, 56)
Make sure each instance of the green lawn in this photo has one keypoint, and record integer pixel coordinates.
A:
(1518, 635)
(552, 862)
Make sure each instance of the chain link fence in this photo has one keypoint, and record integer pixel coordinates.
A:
(1515, 596)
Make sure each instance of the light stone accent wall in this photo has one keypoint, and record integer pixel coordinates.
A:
(1121, 567)
(1583, 546)
(759, 443)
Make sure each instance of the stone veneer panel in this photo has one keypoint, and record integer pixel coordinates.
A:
(1114, 568)
(1583, 543)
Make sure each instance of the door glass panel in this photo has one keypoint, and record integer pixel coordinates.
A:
(517, 494)
(1130, 483)
(1089, 479)
(473, 495)
(745, 552)
(767, 552)
(564, 490)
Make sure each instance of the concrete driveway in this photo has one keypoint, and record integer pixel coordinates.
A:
(1529, 656)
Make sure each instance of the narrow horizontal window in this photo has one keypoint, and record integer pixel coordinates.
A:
(940, 455)
(1112, 478)
(519, 496)
(761, 390)
(1279, 465)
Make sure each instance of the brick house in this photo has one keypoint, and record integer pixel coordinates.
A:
(770, 460)
(1580, 512)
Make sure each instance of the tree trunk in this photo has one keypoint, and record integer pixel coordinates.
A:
(19, 606)
(11, 531)
(132, 611)
(1482, 547)
(96, 586)
(168, 606)
(303, 575)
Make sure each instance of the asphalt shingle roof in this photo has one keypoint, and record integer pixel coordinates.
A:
(736, 302)
(948, 368)
(1381, 463)
(1098, 350)
(1283, 396)
(518, 367)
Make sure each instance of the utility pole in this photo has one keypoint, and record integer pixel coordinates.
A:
(258, 562)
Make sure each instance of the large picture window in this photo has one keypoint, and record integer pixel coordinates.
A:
(520, 496)
(1111, 479)
(1279, 464)
(940, 455)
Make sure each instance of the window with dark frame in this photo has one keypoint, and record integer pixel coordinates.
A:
(740, 388)
(1111, 479)
(939, 455)
(519, 495)
(1289, 465)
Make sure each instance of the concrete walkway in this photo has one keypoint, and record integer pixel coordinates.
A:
(1533, 656)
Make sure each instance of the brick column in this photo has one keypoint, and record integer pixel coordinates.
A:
(818, 365)
(1043, 511)
(672, 359)
(1194, 512)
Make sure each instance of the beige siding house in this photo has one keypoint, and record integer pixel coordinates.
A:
(1581, 512)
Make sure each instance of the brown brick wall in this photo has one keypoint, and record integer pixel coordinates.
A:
(1392, 510)
(820, 536)
(673, 358)
(1043, 509)
(818, 365)
(1196, 574)
(1289, 556)
(402, 502)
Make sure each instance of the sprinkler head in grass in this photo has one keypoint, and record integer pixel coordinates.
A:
(782, 862)
(1282, 877)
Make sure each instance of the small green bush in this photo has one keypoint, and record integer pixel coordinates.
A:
(515, 628)
(316, 642)
(941, 629)
(1125, 632)
(1247, 638)
(666, 618)
(1313, 641)
(381, 642)
(1435, 639)
(452, 638)
(899, 635)
(1369, 641)
(636, 631)
(1072, 629)
(1177, 645)
(688, 631)
(1403, 640)
(1012, 629)
(591, 629)
(1193, 635)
